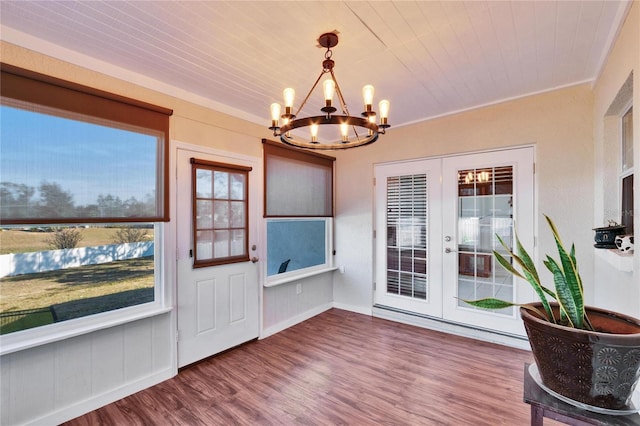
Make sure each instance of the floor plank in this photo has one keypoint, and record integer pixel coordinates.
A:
(338, 368)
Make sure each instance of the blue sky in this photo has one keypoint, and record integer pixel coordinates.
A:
(85, 159)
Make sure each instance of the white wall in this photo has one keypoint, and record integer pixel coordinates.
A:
(288, 304)
(616, 289)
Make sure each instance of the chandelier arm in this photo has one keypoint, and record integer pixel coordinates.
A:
(310, 92)
(343, 104)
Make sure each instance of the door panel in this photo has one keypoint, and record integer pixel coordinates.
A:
(487, 194)
(436, 226)
(408, 273)
(218, 306)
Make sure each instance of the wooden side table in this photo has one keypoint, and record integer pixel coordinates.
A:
(545, 405)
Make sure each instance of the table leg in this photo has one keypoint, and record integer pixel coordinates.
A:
(537, 415)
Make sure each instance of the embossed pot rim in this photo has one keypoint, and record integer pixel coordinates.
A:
(597, 315)
(600, 316)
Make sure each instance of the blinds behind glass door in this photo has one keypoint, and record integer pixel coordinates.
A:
(407, 224)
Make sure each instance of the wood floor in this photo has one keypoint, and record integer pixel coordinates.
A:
(338, 368)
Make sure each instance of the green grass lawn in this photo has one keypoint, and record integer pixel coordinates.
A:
(28, 320)
(76, 292)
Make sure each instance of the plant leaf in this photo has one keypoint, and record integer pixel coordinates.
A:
(489, 303)
(529, 270)
(572, 281)
(507, 265)
(563, 294)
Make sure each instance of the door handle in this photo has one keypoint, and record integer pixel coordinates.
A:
(448, 250)
(254, 259)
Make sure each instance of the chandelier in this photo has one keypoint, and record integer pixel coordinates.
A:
(353, 131)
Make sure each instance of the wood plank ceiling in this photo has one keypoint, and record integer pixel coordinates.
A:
(429, 58)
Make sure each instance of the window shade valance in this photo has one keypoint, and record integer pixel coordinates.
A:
(74, 154)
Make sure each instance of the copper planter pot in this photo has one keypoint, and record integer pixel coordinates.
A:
(598, 368)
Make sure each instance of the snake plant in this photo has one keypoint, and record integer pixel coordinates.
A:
(569, 293)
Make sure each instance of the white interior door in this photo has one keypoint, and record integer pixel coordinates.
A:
(408, 243)
(488, 194)
(218, 306)
(436, 221)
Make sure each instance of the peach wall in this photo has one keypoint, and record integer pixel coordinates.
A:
(558, 123)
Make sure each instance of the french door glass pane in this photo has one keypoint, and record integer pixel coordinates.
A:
(407, 223)
(485, 211)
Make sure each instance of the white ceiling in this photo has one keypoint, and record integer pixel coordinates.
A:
(428, 58)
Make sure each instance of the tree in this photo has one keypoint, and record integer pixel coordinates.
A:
(64, 238)
(129, 234)
(54, 201)
(15, 199)
(110, 206)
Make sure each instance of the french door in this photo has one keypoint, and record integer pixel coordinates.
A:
(436, 226)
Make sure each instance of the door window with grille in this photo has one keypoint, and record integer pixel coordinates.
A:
(485, 210)
(407, 236)
(220, 219)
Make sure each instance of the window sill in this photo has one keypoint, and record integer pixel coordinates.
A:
(296, 277)
(621, 261)
(15, 342)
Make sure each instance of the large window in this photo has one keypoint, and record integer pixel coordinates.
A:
(299, 210)
(83, 196)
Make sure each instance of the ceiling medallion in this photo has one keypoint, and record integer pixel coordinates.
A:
(353, 131)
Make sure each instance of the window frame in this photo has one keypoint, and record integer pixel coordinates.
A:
(41, 335)
(626, 173)
(27, 86)
(328, 247)
(227, 168)
(316, 159)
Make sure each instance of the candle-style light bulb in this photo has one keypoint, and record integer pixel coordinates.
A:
(329, 89)
(367, 94)
(314, 133)
(288, 94)
(383, 106)
(275, 114)
(344, 130)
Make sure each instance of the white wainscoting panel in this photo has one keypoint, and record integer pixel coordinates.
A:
(292, 301)
(55, 382)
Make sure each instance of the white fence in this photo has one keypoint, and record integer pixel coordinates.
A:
(52, 260)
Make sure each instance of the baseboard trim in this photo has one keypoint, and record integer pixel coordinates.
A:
(353, 308)
(82, 407)
(270, 331)
(451, 328)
